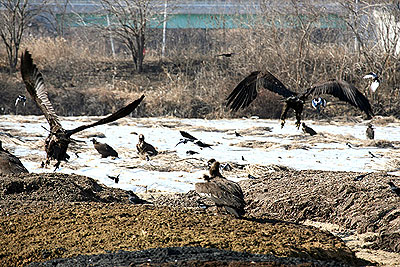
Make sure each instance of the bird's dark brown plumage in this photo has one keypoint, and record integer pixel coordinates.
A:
(307, 129)
(56, 144)
(104, 149)
(145, 148)
(223, 192)
(10, 164)
(370, 132)
(246, 91)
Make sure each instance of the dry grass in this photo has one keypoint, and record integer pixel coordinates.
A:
(192, 82)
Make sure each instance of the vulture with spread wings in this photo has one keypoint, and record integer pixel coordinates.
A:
(56, 144)
(246, 91)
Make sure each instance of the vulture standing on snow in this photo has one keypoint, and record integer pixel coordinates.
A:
(307, 129)
(10, 164)
(223, 192)
(370, 132)
(56, 144)
(246, 91)
(104, 149)
(145, 148)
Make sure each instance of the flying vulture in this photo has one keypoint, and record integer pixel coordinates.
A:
(56, 144)
(246, 91)
(223, 192)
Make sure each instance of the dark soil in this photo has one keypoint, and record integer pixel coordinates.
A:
(184, 256)
(367, 205)
(49, 216)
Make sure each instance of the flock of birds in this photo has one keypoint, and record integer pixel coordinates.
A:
(224, 193)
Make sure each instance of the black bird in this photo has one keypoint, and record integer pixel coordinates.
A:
(145, 148)
(318, 103)
(237, 134)
(246, 91)
(361, 176)
(223, 192)
(114, 178)
(307, 129)
(187, 137)
(370, 132)
(19, 99)
(191, 152)
(104, 149)
(375, 80)
(134, 199)
(394, 188)
(10, 164)
(56, 144)
(226, 55)
(203, 145)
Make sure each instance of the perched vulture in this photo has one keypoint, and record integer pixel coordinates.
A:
(10, 164)
(223, 192)
(145, 148)
(246, 91)
(307, 129)
(56, 144)
(104, 149)
(370, 132)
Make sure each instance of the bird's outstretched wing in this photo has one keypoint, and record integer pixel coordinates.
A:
(188, 135)
(34, 83)
(345, 92)
(113, 117)
(246, 91)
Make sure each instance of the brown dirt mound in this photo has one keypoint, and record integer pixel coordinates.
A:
(57, 187)
(367, 205)
(41, 219)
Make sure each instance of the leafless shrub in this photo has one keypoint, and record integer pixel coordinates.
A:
(301, 43)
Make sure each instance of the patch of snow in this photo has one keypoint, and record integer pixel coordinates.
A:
(287, 146)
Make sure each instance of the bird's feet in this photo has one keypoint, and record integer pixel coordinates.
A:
(282, 123)
(298, 124)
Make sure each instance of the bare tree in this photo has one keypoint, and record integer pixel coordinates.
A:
(128, 22)
(55, 14)
(15, 15)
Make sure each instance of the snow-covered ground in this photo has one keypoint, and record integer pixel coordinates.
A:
(337, 147)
